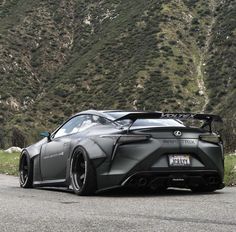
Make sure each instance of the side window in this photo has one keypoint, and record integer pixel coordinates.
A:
(71, 126)
(100, 120)
(87, 123)
(93, 120)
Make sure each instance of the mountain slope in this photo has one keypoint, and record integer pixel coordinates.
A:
(60, 57)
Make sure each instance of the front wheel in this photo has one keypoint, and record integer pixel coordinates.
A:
(82, 173)
(25, 171)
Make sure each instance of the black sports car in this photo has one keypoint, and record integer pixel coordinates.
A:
(98, 150)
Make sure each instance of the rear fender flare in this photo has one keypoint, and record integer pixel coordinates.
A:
(93, 149)
(94, 152)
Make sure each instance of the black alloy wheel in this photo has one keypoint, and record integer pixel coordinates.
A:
(82, 173)
(25, 171)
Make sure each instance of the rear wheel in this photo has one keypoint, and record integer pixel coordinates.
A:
(203, 189)
(25, 171)
(82, 173)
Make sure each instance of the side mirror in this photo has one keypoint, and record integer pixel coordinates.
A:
(46, 134)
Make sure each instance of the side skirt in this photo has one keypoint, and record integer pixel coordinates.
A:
(51, 183)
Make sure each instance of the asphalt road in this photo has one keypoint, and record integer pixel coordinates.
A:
(58, 210)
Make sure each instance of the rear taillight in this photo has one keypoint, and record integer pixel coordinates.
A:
(132, 138)
(122, 139)
(211, 138)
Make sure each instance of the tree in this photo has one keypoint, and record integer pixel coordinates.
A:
(2, 139)
(18, 139)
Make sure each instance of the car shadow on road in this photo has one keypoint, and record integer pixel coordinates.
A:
(130, 192)
(133, 192)
(56, 189)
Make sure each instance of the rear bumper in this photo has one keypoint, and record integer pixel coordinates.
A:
(173, 178)
(151, 159)
(165, 177)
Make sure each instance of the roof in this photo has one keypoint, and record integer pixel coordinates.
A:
(102, 113)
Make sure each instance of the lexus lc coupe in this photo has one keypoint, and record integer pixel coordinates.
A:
(99, 150)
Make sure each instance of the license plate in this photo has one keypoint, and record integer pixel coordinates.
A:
(179, 160)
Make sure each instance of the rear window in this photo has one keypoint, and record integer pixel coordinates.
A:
(152, 123)
(158, 123)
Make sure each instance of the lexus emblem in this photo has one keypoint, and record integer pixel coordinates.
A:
(177, 133)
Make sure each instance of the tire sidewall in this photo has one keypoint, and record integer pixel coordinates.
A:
(87, 188)
(28, 182)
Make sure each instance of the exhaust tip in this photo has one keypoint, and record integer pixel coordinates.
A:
(158, 185)
(142, 182)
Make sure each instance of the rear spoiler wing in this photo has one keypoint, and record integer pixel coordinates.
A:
(207, 118)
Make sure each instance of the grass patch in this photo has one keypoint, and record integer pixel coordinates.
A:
(9, 165)
(230, 170)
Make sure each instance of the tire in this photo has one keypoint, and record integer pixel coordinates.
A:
(203, 189)
(25, 171)
(82, 173)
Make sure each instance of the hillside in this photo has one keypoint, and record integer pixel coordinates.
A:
(58, 57)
